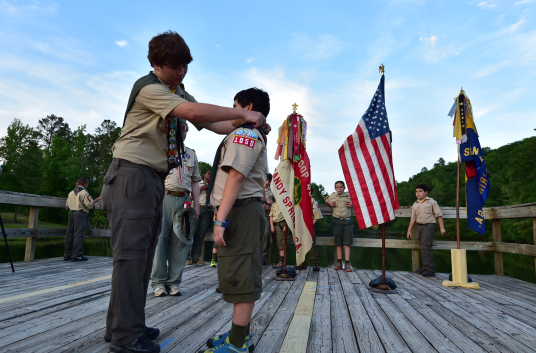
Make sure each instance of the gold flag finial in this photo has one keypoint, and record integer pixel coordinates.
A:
(294, 106)
(382, 69)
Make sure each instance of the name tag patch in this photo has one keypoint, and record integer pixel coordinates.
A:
(246, 141)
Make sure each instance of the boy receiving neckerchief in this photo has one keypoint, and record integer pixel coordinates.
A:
(237, 194)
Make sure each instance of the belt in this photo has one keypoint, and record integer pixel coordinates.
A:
(343, 219)
(424, 224)
(176, 193)
(243, 202)
(123, 162)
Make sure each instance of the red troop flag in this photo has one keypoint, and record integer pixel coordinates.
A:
(367, 164)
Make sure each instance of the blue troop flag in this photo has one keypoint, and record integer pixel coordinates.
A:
(477, 185)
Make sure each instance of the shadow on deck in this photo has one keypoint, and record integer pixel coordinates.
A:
(55, 306)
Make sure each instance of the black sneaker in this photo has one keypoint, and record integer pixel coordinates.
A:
(140, 345)
(302, 266)
(67, 258)
(428, 274)
(316, 267)
(150, 333)
(79, 258)
(420, 271)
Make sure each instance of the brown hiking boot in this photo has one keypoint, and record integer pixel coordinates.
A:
(302, 266)
(338, 266)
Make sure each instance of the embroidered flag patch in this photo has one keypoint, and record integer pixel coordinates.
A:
(246, 141)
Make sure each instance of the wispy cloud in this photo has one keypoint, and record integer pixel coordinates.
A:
(28, 9)
(250, 60)
(217, 45)
(432, 40)
(320, 47)
(515, 26)
(486, 4)
(523, 2)
(121, 43)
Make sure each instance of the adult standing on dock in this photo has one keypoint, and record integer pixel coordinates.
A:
(134, 184)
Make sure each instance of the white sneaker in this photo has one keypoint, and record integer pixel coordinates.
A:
(160, 291)
(175, 291)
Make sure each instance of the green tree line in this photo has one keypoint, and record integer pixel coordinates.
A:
(49, 158)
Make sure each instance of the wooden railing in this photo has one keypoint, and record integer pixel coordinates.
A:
(496, 214)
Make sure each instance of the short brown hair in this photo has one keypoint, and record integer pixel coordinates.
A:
(170, 49)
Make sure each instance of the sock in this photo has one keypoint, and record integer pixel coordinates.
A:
(249, 329)
(340, 261)
(281, 258)
(238, 335)
(214, 256)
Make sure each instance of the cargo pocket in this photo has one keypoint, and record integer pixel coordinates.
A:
(106, 194)
(235, 270)
(138, 229)
(134, 183)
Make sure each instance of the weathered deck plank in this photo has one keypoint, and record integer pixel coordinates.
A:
(346, 316)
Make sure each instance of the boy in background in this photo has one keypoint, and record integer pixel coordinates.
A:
(342, 223)
(278, 226)
(424, 212)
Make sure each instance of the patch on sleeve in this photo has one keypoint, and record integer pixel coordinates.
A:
(435, 201)
(246, 141)
(246, 133)
(89, 198)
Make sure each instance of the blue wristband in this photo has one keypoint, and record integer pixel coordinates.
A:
(221, 224)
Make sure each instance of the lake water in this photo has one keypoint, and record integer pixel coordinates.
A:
(478, 262)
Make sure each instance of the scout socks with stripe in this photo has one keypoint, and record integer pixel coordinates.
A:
(238, 335)
(281, 258)
(214, 256)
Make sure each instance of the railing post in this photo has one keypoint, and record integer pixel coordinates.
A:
(415, 263)
(30, 241)
(534, 235)
(497, 238)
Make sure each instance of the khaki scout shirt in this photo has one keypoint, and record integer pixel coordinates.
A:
(143, 139)
(426, 211)
(317, 214)
(269, 197)
(79, 200)
(243, 150)
(276, 214)
(202, 194)
(190, 172)
(340, 210)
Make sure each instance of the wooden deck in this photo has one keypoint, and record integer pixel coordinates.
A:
(53, 306)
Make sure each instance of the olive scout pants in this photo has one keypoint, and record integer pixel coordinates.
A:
(425, 235)
(132, 196)
(203, 225)
(278, 237)
(171, 252)
(240, 260)
(313, 254)
(266, 235)
(343, 231)
(74, 239)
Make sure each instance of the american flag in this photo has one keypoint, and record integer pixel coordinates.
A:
(367, 164)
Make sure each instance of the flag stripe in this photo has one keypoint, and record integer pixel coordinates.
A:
(364, 178)
(351, 180)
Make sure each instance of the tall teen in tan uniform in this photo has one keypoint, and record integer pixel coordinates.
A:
(134, 184)
(342, 223)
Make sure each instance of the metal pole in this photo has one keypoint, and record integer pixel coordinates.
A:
(383, 254)
(458, 200)
(7, 245)
(285, 253)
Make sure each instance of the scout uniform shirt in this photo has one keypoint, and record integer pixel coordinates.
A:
(317, 214)
(425, 211)
(276, 214)
(143, 139)
(269, 197)
(79, 200)
(245, 151)
(340, 210)
(202, 194)
(190, 172)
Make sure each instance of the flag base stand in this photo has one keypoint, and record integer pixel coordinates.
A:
(384, 289)
(459, 270)
(284, 277)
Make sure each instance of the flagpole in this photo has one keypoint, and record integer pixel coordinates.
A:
(458, 200)
(383, 254)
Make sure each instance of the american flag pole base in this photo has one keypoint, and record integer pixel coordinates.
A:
(384, 289)
(284, 277)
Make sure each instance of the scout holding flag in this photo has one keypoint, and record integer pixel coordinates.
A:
(291, 183)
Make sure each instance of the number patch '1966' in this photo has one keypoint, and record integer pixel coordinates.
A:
(246, 141)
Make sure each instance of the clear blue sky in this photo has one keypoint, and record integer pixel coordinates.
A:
(79, 60)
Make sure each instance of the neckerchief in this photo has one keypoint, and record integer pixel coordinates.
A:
(217, 158)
